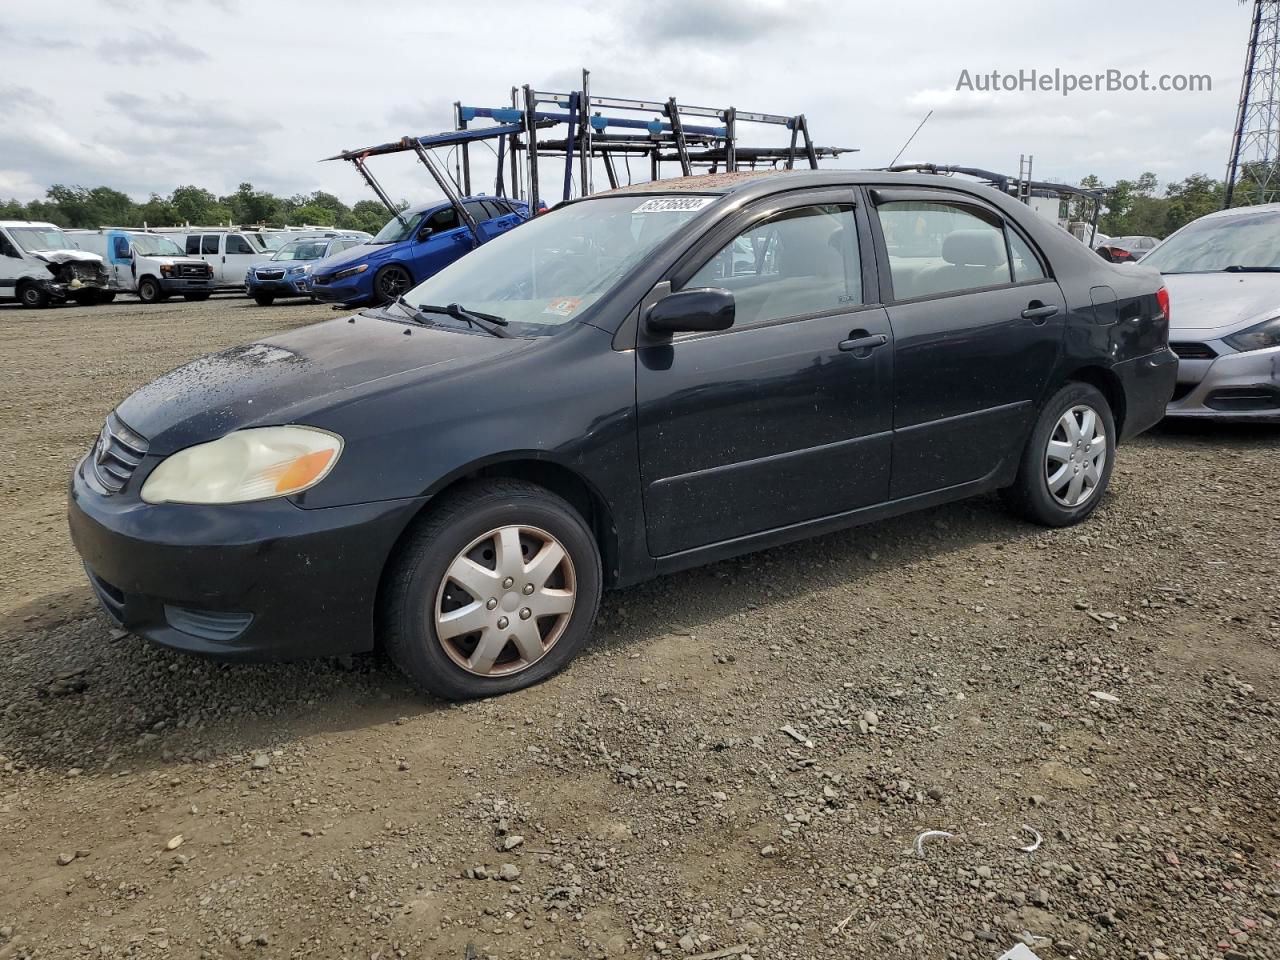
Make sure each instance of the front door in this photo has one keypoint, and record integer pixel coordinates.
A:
(977, 325)
(238, 255)
(786, 416)
(441, 239)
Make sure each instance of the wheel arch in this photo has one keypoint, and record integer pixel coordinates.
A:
(532, 467)
(1109, 385)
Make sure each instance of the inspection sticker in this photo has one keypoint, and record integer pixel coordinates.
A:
(562, 306)
(674, 204)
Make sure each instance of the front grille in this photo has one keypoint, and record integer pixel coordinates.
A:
(116, 454)
(1193, 351)
(270, 274)
(194, 270)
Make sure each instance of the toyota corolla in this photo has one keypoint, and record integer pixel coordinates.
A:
(635, 383)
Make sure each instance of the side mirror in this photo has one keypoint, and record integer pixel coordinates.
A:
(710, 308)
(424, 233)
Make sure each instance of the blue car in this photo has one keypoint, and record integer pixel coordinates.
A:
(406, 252)
(285, 274)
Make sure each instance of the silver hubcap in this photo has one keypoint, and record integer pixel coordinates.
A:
(1076, 456)
(505, 600)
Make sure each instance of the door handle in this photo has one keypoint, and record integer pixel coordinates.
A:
(863, 341)
(1039, 312)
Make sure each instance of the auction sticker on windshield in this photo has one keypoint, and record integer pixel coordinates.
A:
(562, 306)
(674, 204)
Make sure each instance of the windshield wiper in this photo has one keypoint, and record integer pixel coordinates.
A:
(485, 321)
(1241, 268)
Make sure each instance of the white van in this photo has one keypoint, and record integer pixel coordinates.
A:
(39, 265)
(230, 253)
(147, 264)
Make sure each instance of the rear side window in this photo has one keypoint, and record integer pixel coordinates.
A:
(478, 210)
(192, 245)
(1026, 265)
(796, 263)
(938, 247)
(209, 244)
(238, 244)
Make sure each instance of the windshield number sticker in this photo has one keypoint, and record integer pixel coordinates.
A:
(674, 204)
(562, 306)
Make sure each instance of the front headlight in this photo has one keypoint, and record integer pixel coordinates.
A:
(351, 272)
(254, 464)
(1258, 337)
(301, 269)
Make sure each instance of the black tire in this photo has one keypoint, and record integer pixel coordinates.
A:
(391, 281)
(106, 296)
(263, 299)
(1030, 494)
(416, 578)
(33, 296)
(150, 291)
(195, 297)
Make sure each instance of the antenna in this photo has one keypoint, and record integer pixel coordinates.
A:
(910, 138)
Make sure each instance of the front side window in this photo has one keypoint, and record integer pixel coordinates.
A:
(193, 245)
(120, 248)
(796, 263)
(238, 244)
(546, 274)
(209, 244)
(938, 247)
(6, 248)
(446, 218)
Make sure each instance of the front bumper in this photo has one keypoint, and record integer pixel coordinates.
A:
(1239, 387)
(354, 290)
(1148, 384)
(287, 287)
(186, 284)
(253, 581)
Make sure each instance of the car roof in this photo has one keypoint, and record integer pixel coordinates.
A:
(29, 223)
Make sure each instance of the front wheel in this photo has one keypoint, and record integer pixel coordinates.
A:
(150, 291)
(1067, 462)
(391, 282)
(494, 590)
(33, 295)
(263, 299)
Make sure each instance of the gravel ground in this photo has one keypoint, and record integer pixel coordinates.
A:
(738, 766)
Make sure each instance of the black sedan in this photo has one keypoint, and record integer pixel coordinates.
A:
(632, 384)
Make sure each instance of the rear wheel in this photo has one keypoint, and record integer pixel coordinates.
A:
(496, 589)
(33, 295)
(149, 290)
(1067, 462)
(264, 299)
(391, 281)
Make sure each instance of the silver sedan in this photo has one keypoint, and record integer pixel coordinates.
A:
(1223, 276)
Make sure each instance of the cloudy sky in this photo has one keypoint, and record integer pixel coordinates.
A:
(144, 95)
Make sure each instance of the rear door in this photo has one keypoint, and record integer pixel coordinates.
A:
(784, 417)
(977, 324)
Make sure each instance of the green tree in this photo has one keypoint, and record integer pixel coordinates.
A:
(197, 205)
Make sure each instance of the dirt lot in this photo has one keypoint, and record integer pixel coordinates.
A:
(1116, 687)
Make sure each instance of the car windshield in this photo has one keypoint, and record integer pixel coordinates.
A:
(152, 245)
(547, 272)
(1249, 240)
(302, 250)
(396, 230)
(39, 239)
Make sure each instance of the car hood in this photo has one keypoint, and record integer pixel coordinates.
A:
(353, 255)
(67, 256)
(295, 377)
(1211, 305)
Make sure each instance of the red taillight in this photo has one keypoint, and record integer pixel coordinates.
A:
(1162, 298)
